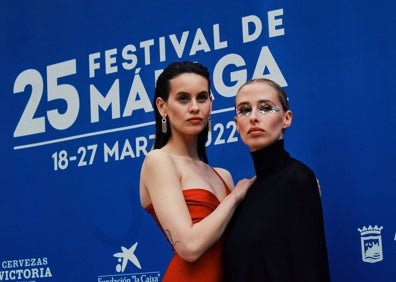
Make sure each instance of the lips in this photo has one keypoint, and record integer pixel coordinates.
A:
(195, 120)
(255, 130)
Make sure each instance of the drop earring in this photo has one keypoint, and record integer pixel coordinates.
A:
(164, 126)
(210, 117)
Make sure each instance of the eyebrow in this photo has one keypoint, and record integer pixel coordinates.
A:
(188, 93)
(258, 102)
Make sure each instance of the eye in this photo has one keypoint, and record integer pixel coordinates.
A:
(264, 107)
(202, 97)
(244, 110)
(267, 107)
(183, 98)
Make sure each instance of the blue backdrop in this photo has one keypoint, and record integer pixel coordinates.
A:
(76, 83)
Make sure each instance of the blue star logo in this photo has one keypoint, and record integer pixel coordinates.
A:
(125, 256)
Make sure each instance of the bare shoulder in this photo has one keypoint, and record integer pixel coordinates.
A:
(157, 157)
(222, 171)
(156, 153)
(226, 175)
(156, 162)
(157, 168)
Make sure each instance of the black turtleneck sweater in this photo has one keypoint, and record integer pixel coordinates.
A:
(277, 232)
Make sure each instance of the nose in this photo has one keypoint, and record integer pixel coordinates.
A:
(253, 117)
(194, 106)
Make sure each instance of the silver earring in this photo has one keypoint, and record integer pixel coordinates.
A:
(164, 126)
(209, 124)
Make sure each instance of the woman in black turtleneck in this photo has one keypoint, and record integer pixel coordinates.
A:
(277, 232)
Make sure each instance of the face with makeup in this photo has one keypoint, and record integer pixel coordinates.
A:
(262, 113)
(188, 105)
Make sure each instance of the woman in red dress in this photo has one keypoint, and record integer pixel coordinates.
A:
(191, 201)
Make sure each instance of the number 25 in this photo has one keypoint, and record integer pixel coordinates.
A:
(29, 124)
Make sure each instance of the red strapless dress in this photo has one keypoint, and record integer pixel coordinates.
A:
(208, 268)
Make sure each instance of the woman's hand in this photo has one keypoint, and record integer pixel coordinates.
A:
(241, 188)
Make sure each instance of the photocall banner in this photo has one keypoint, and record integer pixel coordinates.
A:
(76, 121)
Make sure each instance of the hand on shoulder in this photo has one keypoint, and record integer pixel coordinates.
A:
(239, 190)
(242, 187)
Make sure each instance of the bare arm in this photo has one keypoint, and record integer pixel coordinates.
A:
(161, 182)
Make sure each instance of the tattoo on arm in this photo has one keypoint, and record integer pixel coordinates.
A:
(169, 235)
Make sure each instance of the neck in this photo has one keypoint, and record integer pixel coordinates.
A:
(186, 147)
(269, 159)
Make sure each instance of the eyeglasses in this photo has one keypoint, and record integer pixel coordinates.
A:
(263, 108)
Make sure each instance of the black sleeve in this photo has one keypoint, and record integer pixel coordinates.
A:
(308, 252)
